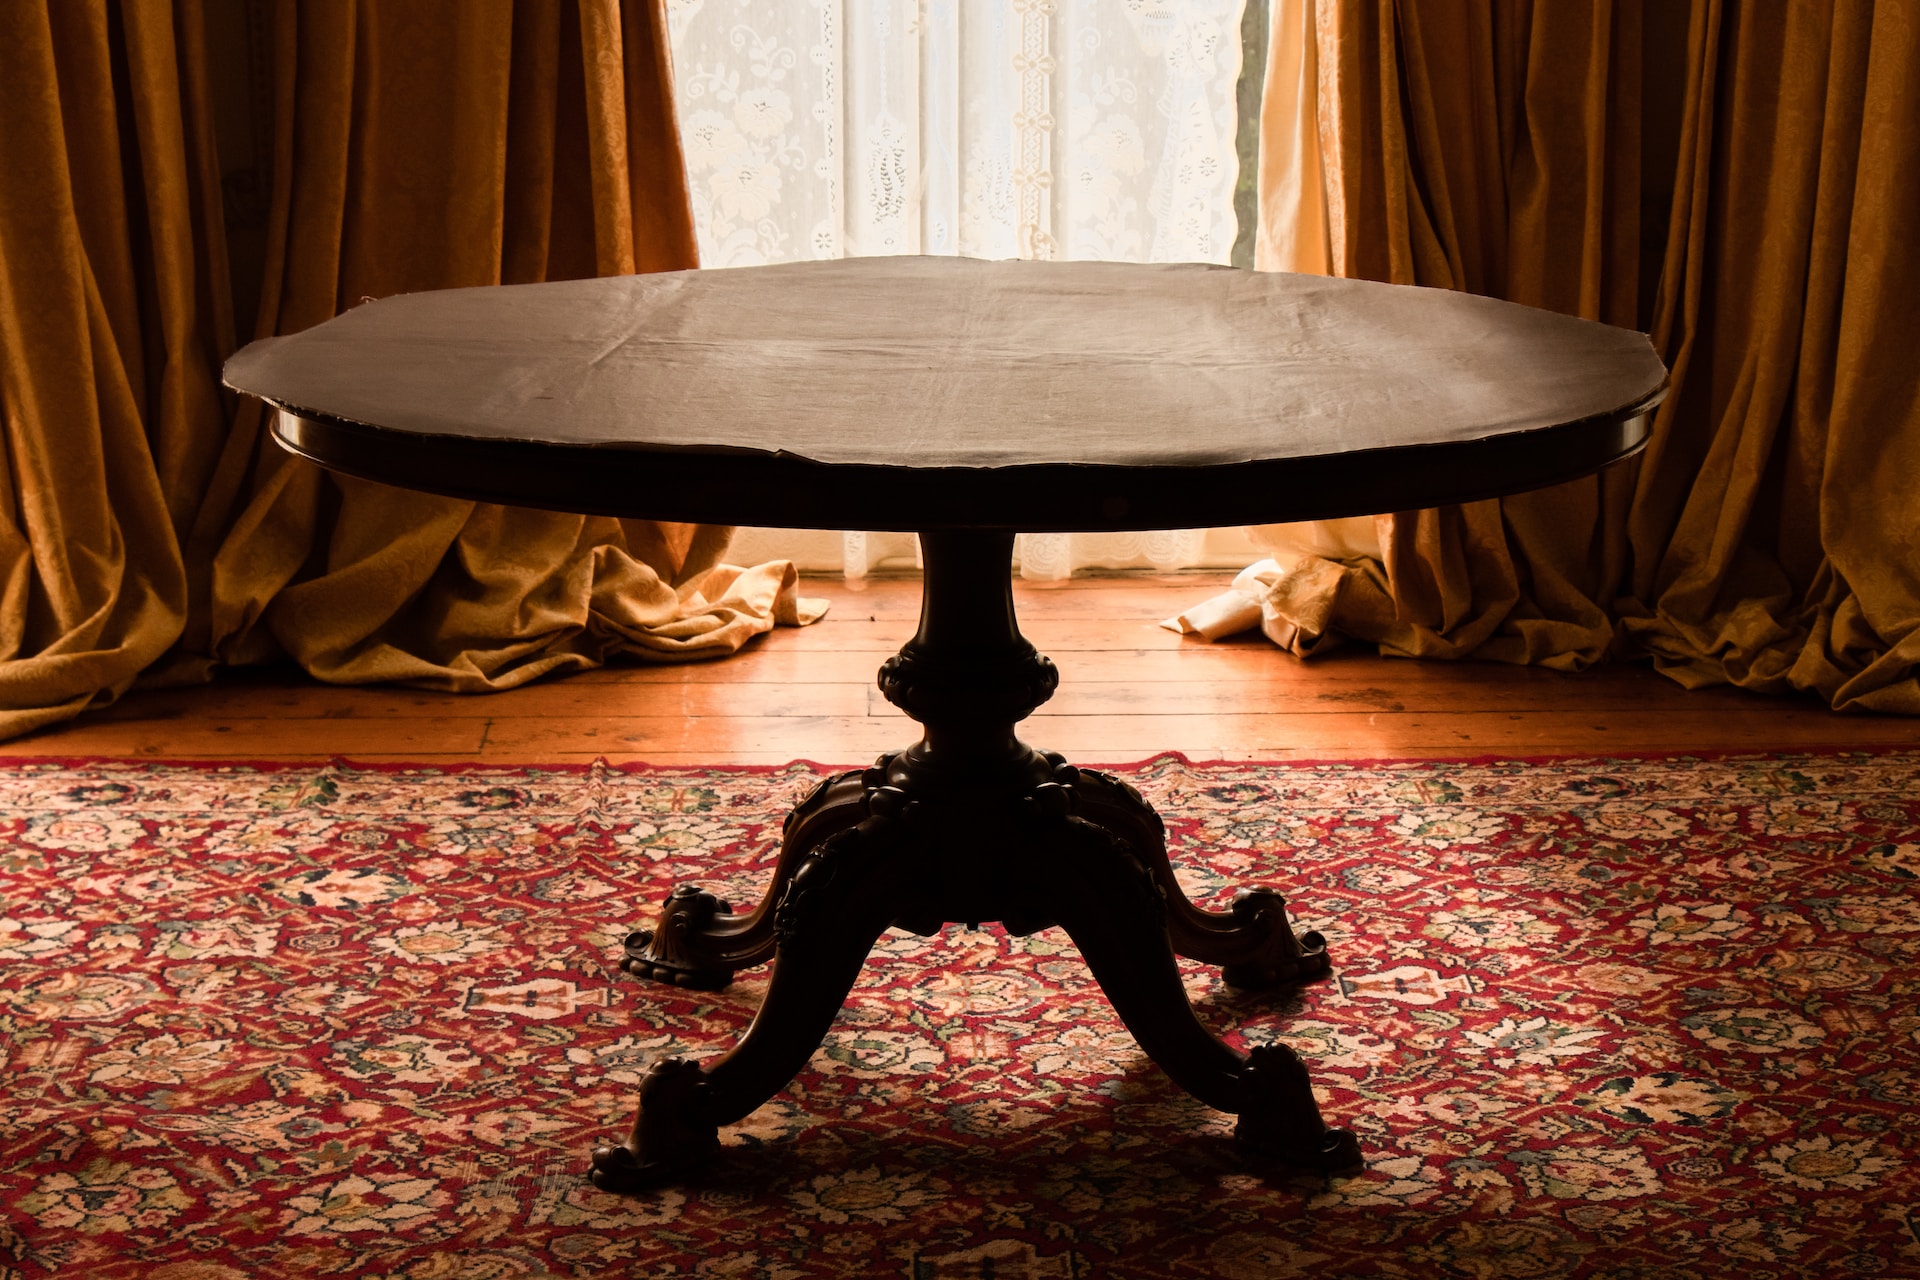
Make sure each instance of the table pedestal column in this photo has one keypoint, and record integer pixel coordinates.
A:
(970, 824)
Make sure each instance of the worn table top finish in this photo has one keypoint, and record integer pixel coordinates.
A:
(918, 393)
(963, 400)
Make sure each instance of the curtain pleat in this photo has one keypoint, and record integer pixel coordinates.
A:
(1777, 536)
(1767, 538)
(410, 163)
(1291, 232)
(108, 391)
(1491, 148)
(151, 529)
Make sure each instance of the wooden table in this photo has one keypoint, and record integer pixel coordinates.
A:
(964, 401)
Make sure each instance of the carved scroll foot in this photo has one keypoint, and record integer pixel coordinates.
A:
(1114, 911)
(1280, 1120)
(1275, 955)
(838, 901)
(698, 942)
(671, 951)
(671, 1133)
(1253, 943)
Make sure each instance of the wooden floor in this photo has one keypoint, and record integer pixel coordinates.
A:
(1128, 689)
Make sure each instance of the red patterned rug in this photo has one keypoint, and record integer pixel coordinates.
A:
(1620, 1017)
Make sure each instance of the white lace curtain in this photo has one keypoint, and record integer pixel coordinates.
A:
(992, 128)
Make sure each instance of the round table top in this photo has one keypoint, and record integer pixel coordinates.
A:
(925, 393)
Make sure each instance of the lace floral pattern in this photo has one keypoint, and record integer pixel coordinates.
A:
(994, 128)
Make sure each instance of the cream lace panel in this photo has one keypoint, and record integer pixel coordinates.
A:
(1091, 129)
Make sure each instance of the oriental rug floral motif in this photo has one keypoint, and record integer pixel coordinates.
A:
(1590, 1017)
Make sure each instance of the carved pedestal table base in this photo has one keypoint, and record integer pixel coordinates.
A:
(970, 824)
(963, 397)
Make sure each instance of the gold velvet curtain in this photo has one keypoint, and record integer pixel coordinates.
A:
(150, 527)
(1770, 537)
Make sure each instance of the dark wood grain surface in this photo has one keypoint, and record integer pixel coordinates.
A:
(927, 393)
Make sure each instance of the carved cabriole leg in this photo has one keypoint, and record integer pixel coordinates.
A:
(1113, 908)
(1253, 943)
(697, 942)
(841, 898)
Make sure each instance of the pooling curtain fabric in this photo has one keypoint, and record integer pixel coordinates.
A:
(1491, 148)
(425, 144)
(1776, 530)
(432, 146)
(1770, 537)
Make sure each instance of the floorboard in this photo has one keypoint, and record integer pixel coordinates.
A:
(1129, 690)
